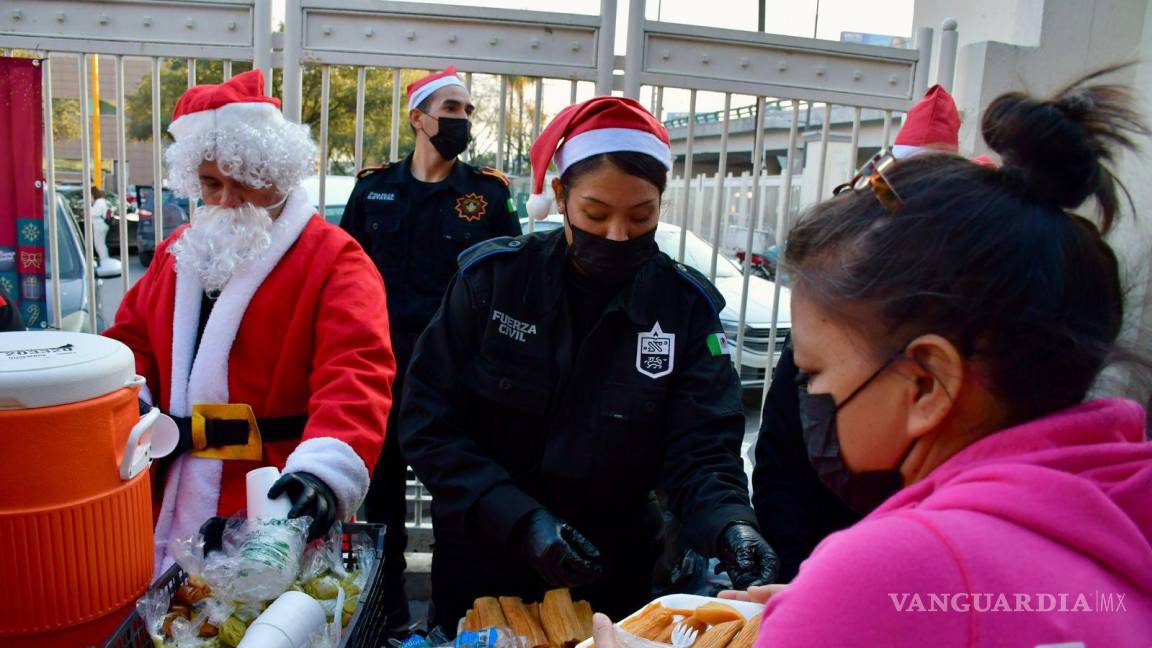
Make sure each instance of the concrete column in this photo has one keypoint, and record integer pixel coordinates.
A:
(839, 158)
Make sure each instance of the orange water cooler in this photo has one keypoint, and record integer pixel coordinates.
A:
(75, 498)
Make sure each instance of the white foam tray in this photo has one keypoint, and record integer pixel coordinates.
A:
(691, 602)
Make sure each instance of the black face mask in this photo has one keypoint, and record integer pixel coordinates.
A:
(864, 491)
(610, 263)
(453, 137)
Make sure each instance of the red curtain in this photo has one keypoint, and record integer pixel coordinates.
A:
(22, 187)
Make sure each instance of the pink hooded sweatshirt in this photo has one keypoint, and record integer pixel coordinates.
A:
(1038, 534)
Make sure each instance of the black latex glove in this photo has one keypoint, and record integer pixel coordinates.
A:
(309, 496)
(746, 556)
(213, 533)
(560, 554)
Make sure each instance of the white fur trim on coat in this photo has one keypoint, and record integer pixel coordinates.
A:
(338, 466)
(192, 491)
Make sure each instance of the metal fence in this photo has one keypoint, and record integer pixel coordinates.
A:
(785, 78)
(821, 74)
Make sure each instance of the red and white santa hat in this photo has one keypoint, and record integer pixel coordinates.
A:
(933, 124)
(209, 107)
(594, 127)
(421, 89)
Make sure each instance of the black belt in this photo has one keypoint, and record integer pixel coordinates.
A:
(230, 432)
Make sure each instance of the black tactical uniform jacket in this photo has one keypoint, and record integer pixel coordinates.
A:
(415, 240)
(505, 413)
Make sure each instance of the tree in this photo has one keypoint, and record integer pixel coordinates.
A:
(518, 129)
(65, 119)
(342, 111)
(341, 116)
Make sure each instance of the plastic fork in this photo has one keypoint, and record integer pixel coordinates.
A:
(683, 635)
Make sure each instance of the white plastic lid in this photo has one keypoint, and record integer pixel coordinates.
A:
(46, 368)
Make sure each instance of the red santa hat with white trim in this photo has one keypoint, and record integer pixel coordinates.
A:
(594, 127)
(209, 107)
(933, 124)
(423, 88)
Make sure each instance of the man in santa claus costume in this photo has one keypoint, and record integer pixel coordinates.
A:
(260, 328)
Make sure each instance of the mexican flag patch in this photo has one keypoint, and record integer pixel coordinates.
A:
(718, 344)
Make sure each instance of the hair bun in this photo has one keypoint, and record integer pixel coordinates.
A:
(1055, 150)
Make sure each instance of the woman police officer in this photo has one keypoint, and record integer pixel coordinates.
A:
(568, 375)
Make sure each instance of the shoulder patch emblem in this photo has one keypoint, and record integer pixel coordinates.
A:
(655, 352)
(471, 207)
(718, 344)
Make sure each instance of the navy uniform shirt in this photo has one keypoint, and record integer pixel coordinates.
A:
(415, 230)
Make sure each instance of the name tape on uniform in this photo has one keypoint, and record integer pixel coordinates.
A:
(512, 327)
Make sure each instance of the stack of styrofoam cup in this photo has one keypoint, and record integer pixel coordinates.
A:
(260, 506)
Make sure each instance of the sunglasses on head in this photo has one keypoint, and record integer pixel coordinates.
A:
(873, 175)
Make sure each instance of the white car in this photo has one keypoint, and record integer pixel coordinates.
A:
(730, 282)
(337, 189)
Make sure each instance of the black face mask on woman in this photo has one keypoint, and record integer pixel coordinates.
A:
(864, 491)
(610, 263)
(453, 137)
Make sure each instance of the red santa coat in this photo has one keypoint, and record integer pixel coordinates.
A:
(303, 329)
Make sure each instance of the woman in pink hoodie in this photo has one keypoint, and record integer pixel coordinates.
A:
(948, 320)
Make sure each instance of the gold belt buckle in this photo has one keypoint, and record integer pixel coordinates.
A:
(251, 451)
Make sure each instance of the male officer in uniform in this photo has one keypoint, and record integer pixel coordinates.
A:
(414, 218)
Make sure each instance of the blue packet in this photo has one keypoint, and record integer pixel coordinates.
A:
(486, 638)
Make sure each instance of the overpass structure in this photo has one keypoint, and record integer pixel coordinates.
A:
(776, 121)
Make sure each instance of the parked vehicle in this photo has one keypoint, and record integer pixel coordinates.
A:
(759, 265)
(337, 189)
(74, 300)
(175, 214)
(729, 281)
(74, 196)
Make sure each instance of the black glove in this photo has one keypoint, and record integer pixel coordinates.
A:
(309, 496)
(746, 556)
(213, 533)
(560, 554)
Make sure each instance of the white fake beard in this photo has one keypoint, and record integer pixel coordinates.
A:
(220, 241)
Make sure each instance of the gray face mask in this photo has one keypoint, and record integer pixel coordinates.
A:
(864, 491)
